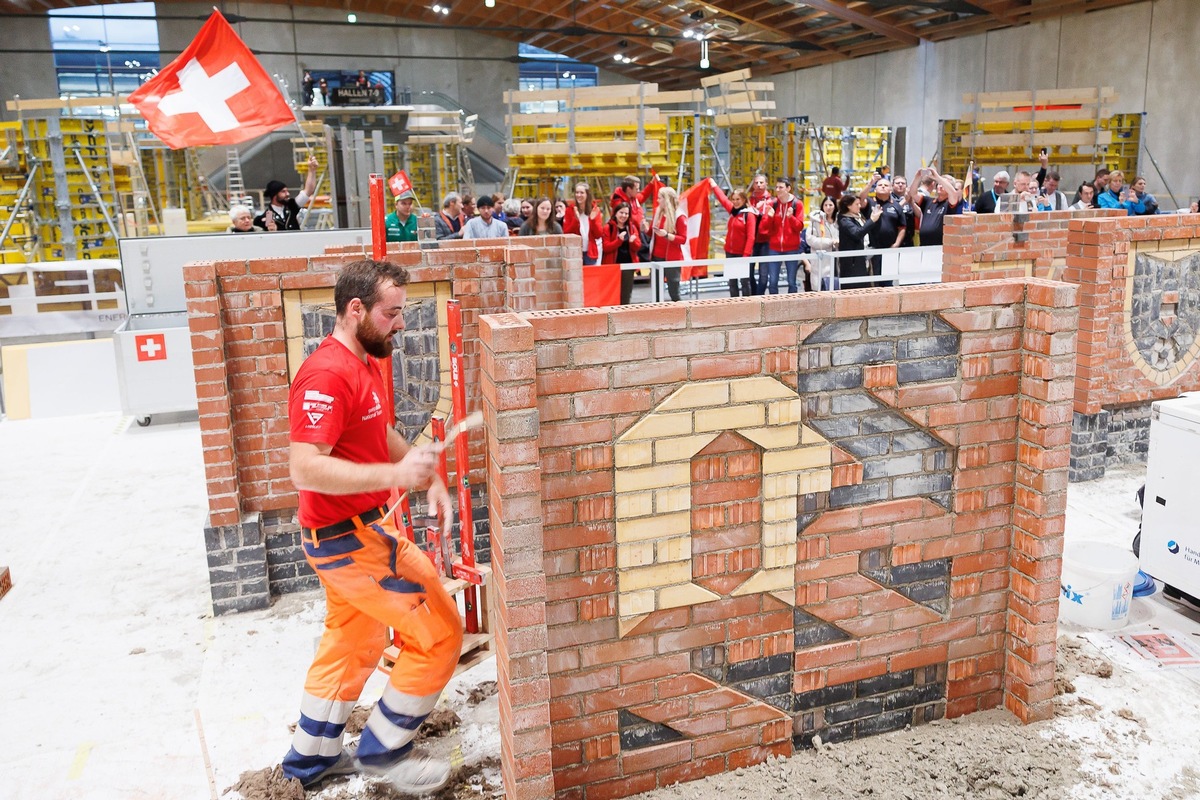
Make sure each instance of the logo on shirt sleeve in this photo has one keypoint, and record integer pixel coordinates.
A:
(316, 406)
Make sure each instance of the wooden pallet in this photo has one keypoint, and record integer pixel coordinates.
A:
(5, 581)
(476, 646)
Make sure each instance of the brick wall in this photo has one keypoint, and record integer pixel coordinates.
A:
(249, 321)
(1139, 307)
(723, 528)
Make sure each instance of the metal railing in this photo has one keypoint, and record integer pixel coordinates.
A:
(902, 266)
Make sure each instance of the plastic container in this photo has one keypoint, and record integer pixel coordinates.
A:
(1097, 585)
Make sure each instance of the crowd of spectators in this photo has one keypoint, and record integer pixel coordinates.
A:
(766, 226)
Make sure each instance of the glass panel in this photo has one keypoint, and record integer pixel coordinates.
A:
(129, 34)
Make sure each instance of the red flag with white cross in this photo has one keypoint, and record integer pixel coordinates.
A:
(400, 183)
(214, 93)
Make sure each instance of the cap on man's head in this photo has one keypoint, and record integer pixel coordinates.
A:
(274, 188)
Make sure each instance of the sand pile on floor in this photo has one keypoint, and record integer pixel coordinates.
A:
(985, 756)
(265, 784)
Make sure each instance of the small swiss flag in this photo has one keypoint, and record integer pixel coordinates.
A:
(214, 93)
(151, 347)
(400, 183)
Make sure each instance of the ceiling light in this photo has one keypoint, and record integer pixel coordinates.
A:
(688, 34)
(352, 18)
(490, 3)
(663, 47)
(703, 54)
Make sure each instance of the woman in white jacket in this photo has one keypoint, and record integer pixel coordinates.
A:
(822, 238)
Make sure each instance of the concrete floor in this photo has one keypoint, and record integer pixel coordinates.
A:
(116, 682)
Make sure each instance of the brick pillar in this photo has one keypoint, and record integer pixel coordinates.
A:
(1043, 462)
(519, 580)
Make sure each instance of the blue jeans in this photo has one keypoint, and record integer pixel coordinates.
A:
(760, 283)
(793, 267)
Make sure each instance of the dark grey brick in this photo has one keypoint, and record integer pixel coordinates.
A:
(888, 682)
(891, 721)
(890, 467)
(823, 697)
(866, 353)
(885, 423)
(855, 709)
(927, 346)
(636, 732)
(240, 604)
(837, 427)
(255, 587)
(926, 591)
(842, 496)
(915, 440)
(902, 325)
(932, 369)
(828, 380)
(921, 571)
(301, 583)
(759, 667)
(222, 575)
(765, 687)
(214, 538)
(818, 635)
(921, 484)
(915, 696)
(843, 331)
(222, 591)
(853, 403)
(941, 326)
(220, 558)
(867, 446)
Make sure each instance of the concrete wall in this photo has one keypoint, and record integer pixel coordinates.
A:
(1143, 50)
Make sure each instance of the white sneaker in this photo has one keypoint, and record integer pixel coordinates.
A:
(417, 773)
(346, 764)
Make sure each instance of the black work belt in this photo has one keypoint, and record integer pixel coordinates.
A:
(345, 526)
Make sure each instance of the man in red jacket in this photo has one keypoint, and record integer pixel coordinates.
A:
(784, 220)
(630, 191)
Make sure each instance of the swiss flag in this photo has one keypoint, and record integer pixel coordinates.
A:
(652, 190)
(215, 93)
(151, 347)
(696, 205)
(400, 183)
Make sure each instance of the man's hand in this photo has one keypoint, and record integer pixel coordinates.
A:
(876, 213)
(1044, 159)
(439, 503)
(313, 164)
(269, 219)
(416, 469)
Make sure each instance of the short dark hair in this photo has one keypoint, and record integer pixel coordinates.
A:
(630, 181)
(835, 171)
(785, 181)
(362, 279)
(484, 201)
(1053, 175)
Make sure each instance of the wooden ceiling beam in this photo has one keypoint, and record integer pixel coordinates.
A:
(842, 11)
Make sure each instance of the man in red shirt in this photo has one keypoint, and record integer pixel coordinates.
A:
(834, 187)
(345, 457)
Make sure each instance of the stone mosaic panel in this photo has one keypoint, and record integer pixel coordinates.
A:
(1162, 319)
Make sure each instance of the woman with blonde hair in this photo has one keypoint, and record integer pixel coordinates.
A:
(668, 232)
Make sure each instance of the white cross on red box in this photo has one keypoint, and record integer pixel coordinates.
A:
(151, 347)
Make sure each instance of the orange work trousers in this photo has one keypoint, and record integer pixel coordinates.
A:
(374, 579)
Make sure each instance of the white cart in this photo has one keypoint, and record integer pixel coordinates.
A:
(1170, 548)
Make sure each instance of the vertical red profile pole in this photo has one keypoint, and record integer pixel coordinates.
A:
(440, 551)
(378, 215)
(462, 456)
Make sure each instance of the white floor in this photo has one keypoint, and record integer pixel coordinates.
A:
(116, 681)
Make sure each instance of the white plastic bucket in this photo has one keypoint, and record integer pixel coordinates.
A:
(1097, 584)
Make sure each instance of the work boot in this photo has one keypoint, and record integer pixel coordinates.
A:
(416, 773)
(346, 764)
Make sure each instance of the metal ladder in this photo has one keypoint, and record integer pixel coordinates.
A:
(235, 184)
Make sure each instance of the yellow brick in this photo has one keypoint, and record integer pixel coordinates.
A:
(772, 580)
(635, 554)
(634, 504)
(668, 500)
(796, 459)
(730, 417)
(779, 557)
(756, 390)
(627, 625)
(810, 436)
(681, 448)
(779, 510)
(633, 454)
(630, 603)
(687, 595)
(787, 596)
(813, 481)
(774, 437)
(654, 577)
(676, 549)
(661, 526)
(697, 395)
(775, 486)
(658, 425)
(780, 533)
(656, 477)
(784, 412)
